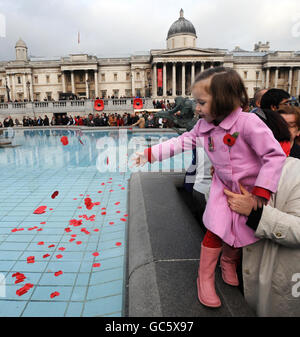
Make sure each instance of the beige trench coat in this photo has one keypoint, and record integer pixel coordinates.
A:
(271, 266)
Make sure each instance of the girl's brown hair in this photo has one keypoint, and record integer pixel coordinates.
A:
(226, 88)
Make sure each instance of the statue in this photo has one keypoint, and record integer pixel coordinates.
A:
(185, 119)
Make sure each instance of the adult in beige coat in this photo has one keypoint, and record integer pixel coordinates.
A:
(271, 266)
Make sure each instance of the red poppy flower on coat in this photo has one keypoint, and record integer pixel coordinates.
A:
(230, 139)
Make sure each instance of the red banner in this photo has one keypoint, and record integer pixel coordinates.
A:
(159, 78)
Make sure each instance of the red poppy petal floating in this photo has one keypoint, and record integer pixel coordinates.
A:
(117, 203)
(30, 259)
(62, 249)
(123, 219)
(96, 254)
(58, 273)
(59, 256)
(40, 210)
(51, 246)
(64, 140)
(46, 255)
(40, 243)
(96, 265)
(118, 243)
(54, 195)
(54, 294)
(43, 223)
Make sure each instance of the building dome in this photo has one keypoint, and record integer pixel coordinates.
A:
(20, 43)
(182, 26)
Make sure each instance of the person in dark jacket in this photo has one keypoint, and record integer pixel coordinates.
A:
(46, 121)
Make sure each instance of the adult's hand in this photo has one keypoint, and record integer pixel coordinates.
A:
(241, 203)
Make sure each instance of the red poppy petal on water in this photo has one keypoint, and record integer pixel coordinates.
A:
(111, 190)
(96, 254)
(71, 240)
(103, 213)
(97, 203)
(118, 243)
(118, 211)
(46, 255)
(123, 219)
(102, 184)
(99, 191)
(24, 289)
(50, 209)
(58, 273)
(19, 280)
(96, 265)
(125, 214)
(96, 230)
(40, 243)
(62, 249)
(123, 188)
(42, 223)
(30, 259)
(16, 274)
(68, 230)
(111, 223)
(54, 294)
(54, 195)
(73, 235)
(40, 210)
(64, 140)
(78, 242)
(79, 207)
(39, 230)
(51, 246)
(75, 199)
(59, 256)
(81, 195)
(117, 203)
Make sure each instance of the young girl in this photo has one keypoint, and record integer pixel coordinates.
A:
(243, 151)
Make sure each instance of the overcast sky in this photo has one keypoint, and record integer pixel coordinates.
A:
(121, 27)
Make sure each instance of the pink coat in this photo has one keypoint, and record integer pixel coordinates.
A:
(256, 159)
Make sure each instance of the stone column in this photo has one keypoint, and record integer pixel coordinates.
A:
(31, 87)
(174, 79)
(183, 79)
(202, 66)
(276, 78)
(25, 87)
(154, 86)
(263, 79)
(290, 80)
(193, 74)
(86, 84)
(164, 79)
(96, 83)
(72, 81)
(132, 84)
(267, 77)
(63, 80)
(298, 84)
(13, 92)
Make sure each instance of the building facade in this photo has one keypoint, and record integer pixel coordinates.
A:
(160, 74)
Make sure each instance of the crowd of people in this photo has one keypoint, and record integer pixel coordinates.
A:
(142, 119)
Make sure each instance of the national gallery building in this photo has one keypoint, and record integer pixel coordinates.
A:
(160, 74)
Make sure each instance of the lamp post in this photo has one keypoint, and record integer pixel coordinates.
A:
(28, 89)
(7, 90)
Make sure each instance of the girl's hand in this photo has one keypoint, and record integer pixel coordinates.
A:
(140, 159)
(212, 170)
(241, 203)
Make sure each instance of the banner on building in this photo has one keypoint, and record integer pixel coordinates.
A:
(159, 78)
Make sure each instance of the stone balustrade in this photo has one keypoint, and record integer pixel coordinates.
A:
(70, 107)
